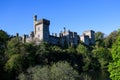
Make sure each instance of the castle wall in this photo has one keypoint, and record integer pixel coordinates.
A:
(69, 38)
(54, 40)
(85, 39)
(41, 33)
(91, 35)
(42, 29)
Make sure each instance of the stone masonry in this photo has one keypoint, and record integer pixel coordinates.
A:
(66, 37)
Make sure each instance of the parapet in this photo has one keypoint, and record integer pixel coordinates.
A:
(42, 21)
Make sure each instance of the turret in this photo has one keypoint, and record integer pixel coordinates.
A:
(35, 17)
(17, 34)
(64, 29)
(41, 29)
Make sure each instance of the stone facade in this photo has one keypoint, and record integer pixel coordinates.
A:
(88, 37)
(66, 37)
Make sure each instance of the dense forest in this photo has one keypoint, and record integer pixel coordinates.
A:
(28, 61)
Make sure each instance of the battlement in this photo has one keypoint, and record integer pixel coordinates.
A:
(42, 21)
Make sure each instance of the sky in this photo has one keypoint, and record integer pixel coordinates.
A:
(16, 16)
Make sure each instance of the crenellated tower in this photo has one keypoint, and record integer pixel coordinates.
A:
(41, 29)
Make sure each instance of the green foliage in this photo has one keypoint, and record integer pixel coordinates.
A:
(114, 66)
(3, 42)
(55, 49)
(81, 49)
(23, 77)
(89, 62)
(71, 50)
(30, 54)
(58, 71)
(103, 55)
(3, 36)
(42, 53)
(84, 52)
(14, 46)
(63, 71)
(99, 36)
(36, 73)
(84, 76)
(109, 40)
(99, 43)
(17, 57)
(14, 63)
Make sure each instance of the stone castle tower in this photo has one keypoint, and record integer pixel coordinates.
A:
(41, 29)
(88, 37)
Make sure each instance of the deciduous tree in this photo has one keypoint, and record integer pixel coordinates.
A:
(114, 66)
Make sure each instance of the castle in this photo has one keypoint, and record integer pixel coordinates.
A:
(66, 37)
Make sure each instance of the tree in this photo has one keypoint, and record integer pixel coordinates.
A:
(110, 39)
(103, 55)
(14, 46)
(81, 49)
(42, 53)
(63, 71)
(58, 71)
(114, 66)
(36, 73)
(89, 63)
(71, 50)
(14, 63)
(29, 57)
(99, 36)
(4, 37)
(3, 42)
(15, 55)
(55, 49)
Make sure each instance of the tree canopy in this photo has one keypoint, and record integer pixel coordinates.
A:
(58, 71)
(28, 61)
(114, 66)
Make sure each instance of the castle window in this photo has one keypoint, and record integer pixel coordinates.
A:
(38, 28)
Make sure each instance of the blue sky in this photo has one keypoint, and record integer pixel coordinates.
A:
(76, 15)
